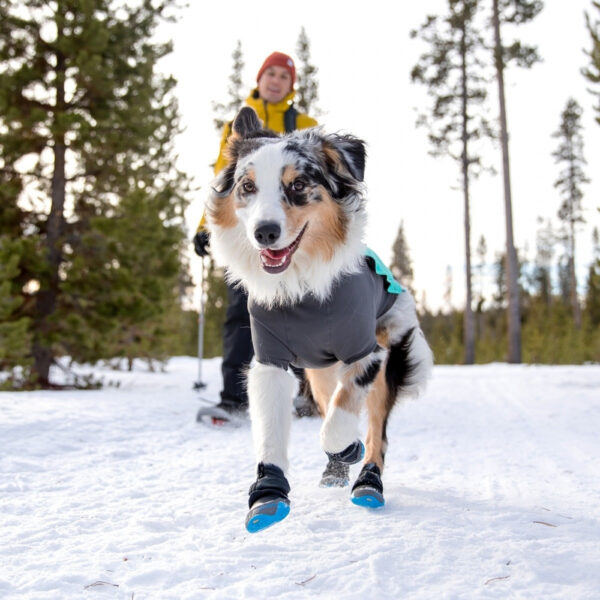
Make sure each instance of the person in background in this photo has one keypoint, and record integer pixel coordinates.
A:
(272, 99)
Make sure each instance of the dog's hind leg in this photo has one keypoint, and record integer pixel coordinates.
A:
(407, 369)
(368, 487)
(339, 433)
(270, 393)
(379, 406)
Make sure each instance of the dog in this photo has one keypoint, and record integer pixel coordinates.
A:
(287, 219)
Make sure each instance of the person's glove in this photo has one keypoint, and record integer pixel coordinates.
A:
(201, 242)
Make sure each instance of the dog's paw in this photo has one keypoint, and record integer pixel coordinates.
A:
(266, 512)
(336, 474)
(368, 488)
(268, 499)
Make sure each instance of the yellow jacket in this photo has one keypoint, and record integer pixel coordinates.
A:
(272, 117)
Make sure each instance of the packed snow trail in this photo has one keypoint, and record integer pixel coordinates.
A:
(491, 484)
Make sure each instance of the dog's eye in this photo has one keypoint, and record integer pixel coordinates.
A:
(248, 186)
(298, 185)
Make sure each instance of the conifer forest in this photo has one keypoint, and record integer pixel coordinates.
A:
(94, 246)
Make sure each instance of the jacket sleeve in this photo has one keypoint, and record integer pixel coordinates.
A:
(222, 161)
(304, 121)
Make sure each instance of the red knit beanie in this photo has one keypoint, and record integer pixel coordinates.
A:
(278, 59)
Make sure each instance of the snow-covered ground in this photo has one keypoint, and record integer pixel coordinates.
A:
(492, 487)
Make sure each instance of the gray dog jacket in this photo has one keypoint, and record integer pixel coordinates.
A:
(315, 334)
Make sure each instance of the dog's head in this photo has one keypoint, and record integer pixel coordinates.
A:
(286, 215)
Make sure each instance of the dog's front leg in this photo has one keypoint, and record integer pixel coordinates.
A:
(339, 433)
(270, 393)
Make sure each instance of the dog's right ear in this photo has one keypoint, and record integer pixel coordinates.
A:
(246, 122)
(223, 183)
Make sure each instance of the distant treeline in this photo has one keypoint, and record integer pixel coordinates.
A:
(93, 247)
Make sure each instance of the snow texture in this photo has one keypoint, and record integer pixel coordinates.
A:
(492, 486)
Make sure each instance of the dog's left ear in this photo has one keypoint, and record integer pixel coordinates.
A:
(246, 122)
(346, 152)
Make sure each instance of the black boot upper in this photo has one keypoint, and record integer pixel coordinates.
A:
(271, 482)
(370, 476)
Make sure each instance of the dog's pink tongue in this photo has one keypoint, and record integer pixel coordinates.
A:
(275, 253)
(271, 256)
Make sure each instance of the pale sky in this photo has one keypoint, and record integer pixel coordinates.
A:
(364, 55)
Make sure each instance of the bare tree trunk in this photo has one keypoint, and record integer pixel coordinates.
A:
(573, 278)
(48, 293)
(469, 321)
(512, 268)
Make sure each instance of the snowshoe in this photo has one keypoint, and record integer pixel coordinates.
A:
(268, 499)
(222, 414)
(336, 474)
(350, 456)
(368, 488)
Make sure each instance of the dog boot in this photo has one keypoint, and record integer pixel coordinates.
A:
(368, 488)
(336, 474)
(268, 499)
(351, 455)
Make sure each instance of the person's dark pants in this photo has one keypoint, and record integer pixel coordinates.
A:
(237, 347)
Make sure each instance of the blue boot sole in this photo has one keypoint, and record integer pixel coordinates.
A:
(267, 514)
(367, 497)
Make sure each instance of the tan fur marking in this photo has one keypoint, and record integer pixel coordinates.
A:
(334, 158)
(322, 384)
(289, 174)
(228, 151)
(325, 388)
(221, 212)
(376, 407)
(327, 226)
(383, 338)
(347, 395)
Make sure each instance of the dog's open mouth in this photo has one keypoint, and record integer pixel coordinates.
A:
(277, 261)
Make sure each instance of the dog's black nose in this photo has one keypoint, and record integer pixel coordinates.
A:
(267, 233)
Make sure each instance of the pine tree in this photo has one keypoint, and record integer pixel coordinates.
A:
(571, 178)
(448, 285)
(401, 265)
(514, 12)
(81, 97)
(14, 332)
(453, 74)
(125, 282)
(215, 309)
(481, 254)
(542, 275)
(592, 299)
(592, 71)
(480, 297)
(226, 112)
(307, 87)
(500, 280)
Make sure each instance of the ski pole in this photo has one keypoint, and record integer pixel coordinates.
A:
(199, 384)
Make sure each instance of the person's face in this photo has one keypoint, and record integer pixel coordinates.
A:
(274, 84)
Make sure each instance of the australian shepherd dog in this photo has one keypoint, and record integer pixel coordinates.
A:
(287, 219)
